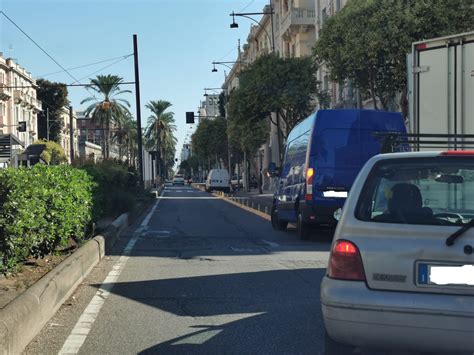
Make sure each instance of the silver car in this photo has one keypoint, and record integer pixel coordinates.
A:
(401, 268)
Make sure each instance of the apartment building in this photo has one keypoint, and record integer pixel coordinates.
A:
(289, 30)
(65, 136)
(343, 95)
(18, 108)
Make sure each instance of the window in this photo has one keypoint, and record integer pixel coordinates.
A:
(435, 191)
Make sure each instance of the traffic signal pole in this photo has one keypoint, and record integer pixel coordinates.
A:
(139, 123)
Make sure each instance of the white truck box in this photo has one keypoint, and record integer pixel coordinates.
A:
(441, 85)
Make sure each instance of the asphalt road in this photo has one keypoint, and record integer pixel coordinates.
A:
(197, 275)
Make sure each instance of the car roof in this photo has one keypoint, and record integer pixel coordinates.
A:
(424, 154)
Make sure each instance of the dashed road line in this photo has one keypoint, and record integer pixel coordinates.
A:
(81, 330)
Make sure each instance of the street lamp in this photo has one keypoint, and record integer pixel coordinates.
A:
(222, 63)
(247, 15)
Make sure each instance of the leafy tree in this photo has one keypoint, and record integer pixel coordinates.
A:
(54, 98)
(210, 140)
(109, 109)
(125, 135)
(367, 41)
(222, 103)
(286, 86)
(53, 154)
(159, 133)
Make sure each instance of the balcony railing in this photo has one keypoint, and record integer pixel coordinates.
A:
(18, 96)
(298, 17)
(5, 93)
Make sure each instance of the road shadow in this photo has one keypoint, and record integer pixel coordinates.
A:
(279, 311)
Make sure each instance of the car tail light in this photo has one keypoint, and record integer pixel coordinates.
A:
(459, 152)
(345, 262)
(309, 184)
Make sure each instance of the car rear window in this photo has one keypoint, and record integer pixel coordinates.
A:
(432, 191)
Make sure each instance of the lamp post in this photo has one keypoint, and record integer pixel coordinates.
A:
(248, 16)
(214, 69)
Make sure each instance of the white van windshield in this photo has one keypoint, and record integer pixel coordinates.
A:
(436, 191)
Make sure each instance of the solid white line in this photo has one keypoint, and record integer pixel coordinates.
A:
(81, 330)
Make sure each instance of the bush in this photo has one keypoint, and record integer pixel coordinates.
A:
(53, 153)
(41, 208)
(117, 187)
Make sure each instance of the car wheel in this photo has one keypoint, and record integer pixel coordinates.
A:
(302, 228)
(332, 347)
(276, 223)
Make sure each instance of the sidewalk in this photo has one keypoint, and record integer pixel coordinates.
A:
(264, 200)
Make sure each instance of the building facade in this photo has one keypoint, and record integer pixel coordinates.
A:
(19, 107)
(288, 28)
(65, 136)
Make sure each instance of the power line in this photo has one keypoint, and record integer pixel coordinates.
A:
(43, 50)
(101, 69)
(45, 86)
(87, 65)
(37, 45)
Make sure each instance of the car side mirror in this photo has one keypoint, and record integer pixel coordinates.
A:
(273, 170)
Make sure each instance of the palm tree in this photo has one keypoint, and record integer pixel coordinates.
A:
(125, 135)
(159, 133)
(108, 110)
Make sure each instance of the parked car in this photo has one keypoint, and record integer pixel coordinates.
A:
(218, 179)
(178, 179)
(236, 182)
(323, 155)
(401, 267)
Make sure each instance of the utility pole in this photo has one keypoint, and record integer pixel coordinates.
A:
(47, 123)
(71, 133)
(139, 123)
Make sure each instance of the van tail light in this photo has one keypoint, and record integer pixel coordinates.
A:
(345, 262)
(309, 184)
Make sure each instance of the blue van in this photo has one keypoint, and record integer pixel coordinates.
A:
(323, 156)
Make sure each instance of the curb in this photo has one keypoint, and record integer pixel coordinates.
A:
(234, 201)
(23, 318)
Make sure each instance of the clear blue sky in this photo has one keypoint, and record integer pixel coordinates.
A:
(177, 41)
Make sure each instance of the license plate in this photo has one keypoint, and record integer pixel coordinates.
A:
(442, 275)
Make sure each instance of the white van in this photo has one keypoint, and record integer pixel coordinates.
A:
(218, 179)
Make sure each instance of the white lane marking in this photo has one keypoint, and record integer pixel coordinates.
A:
(81, 330)
(271, 244)
(188, 198)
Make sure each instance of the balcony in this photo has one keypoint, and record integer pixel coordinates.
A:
(297, 19)
(19, 97)
(5, 93)
(33, 103)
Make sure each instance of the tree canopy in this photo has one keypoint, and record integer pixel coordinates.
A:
(53, 154)
(209, 141)
(54, 98)
(367, 41)
(287, 86)
(109, 108)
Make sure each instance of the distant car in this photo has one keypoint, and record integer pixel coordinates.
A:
(236, 182)
(401, 267)
(218, 179)
(178, 180)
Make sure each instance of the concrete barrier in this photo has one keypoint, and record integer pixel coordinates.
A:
(23, 318)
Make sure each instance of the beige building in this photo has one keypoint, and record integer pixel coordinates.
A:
(290, 32)
(18, 104)
(342, 95)
(65, 138)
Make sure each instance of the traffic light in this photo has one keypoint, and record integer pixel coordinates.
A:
(22, 126)
(189, 117)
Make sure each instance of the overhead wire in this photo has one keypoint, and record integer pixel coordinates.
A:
(86, 65)
(42, 49)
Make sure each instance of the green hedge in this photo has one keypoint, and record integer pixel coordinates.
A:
(41, 208)
(117, 187)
